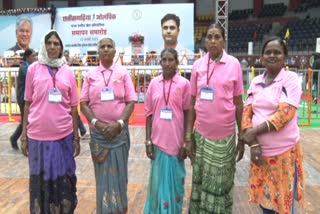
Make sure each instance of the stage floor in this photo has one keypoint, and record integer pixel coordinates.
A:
(14, 193)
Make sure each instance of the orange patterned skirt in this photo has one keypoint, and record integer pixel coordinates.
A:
(272, 184)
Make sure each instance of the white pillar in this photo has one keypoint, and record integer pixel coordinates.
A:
(318, 45)
(250, 48)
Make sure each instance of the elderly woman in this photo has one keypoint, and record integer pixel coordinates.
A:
(166, 106)
(216, 104)
(50, 137)
(107, 101)
(271, 129)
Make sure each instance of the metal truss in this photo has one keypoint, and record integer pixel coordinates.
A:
(222, 17)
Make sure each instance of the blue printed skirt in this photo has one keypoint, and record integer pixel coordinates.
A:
(110, 160)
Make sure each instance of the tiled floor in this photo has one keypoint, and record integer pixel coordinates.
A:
(14, 194)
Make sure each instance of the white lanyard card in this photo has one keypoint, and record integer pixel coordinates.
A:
(55, 96)
(107, 94)
(166, 113)
(207, 93)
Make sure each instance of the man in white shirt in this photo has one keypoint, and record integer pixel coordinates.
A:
(170, 28)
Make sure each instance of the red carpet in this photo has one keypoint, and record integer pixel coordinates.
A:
(137, 118)
(5, 118)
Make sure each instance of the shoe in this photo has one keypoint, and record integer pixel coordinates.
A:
(14, 144)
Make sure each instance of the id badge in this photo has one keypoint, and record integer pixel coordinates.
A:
(107, 94)
(166, 113)
(55, 96)
(207, 93)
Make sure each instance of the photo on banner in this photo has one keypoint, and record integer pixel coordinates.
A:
(12, 34)
(136, 29)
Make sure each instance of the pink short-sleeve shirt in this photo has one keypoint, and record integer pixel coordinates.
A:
(265, 100)
(216, 119)
(118, 79)
(47, 120)
(168, 134)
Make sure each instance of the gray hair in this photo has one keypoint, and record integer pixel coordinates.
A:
(21, 20)
(106, 37)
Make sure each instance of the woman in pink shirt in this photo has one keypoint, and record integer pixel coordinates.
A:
(216, 106)
(50, 130)
(270, 128)
(107, 100)
(166, 106)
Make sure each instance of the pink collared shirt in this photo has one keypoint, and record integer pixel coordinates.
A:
(265, 100)
(121, 83)
(216, 119)
(168, 134)
(47, 120)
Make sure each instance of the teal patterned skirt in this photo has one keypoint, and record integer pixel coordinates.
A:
(213, 175)
(166, 184)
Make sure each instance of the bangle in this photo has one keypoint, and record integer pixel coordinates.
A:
(148, 142)
(121, 123)
(188, 136)
(94, 121)
(254, 145)
(76, 138)
(267, 122)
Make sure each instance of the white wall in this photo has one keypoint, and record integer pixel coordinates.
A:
(58, 3)
(23, 4)
(175, 1)
(205, 7)
(286, 2)
(33, 3)
(89, 3)
(240, 5)
(248, 4)
(64, 3)
(122, 2)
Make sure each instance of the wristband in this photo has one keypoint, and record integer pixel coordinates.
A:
(94, 121)
(188, 136)
(121, 123)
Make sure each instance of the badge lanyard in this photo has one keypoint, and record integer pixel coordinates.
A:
(53, 75)
(106, 83)
(107, 94)
(166, 99)
(207, 92)
(209, 76)
(54, 95)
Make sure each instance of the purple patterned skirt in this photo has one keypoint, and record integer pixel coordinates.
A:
(52, 176)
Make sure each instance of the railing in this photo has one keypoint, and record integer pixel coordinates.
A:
(142, 75)
(120, 58)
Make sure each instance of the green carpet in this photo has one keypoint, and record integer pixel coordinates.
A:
(303, 115)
